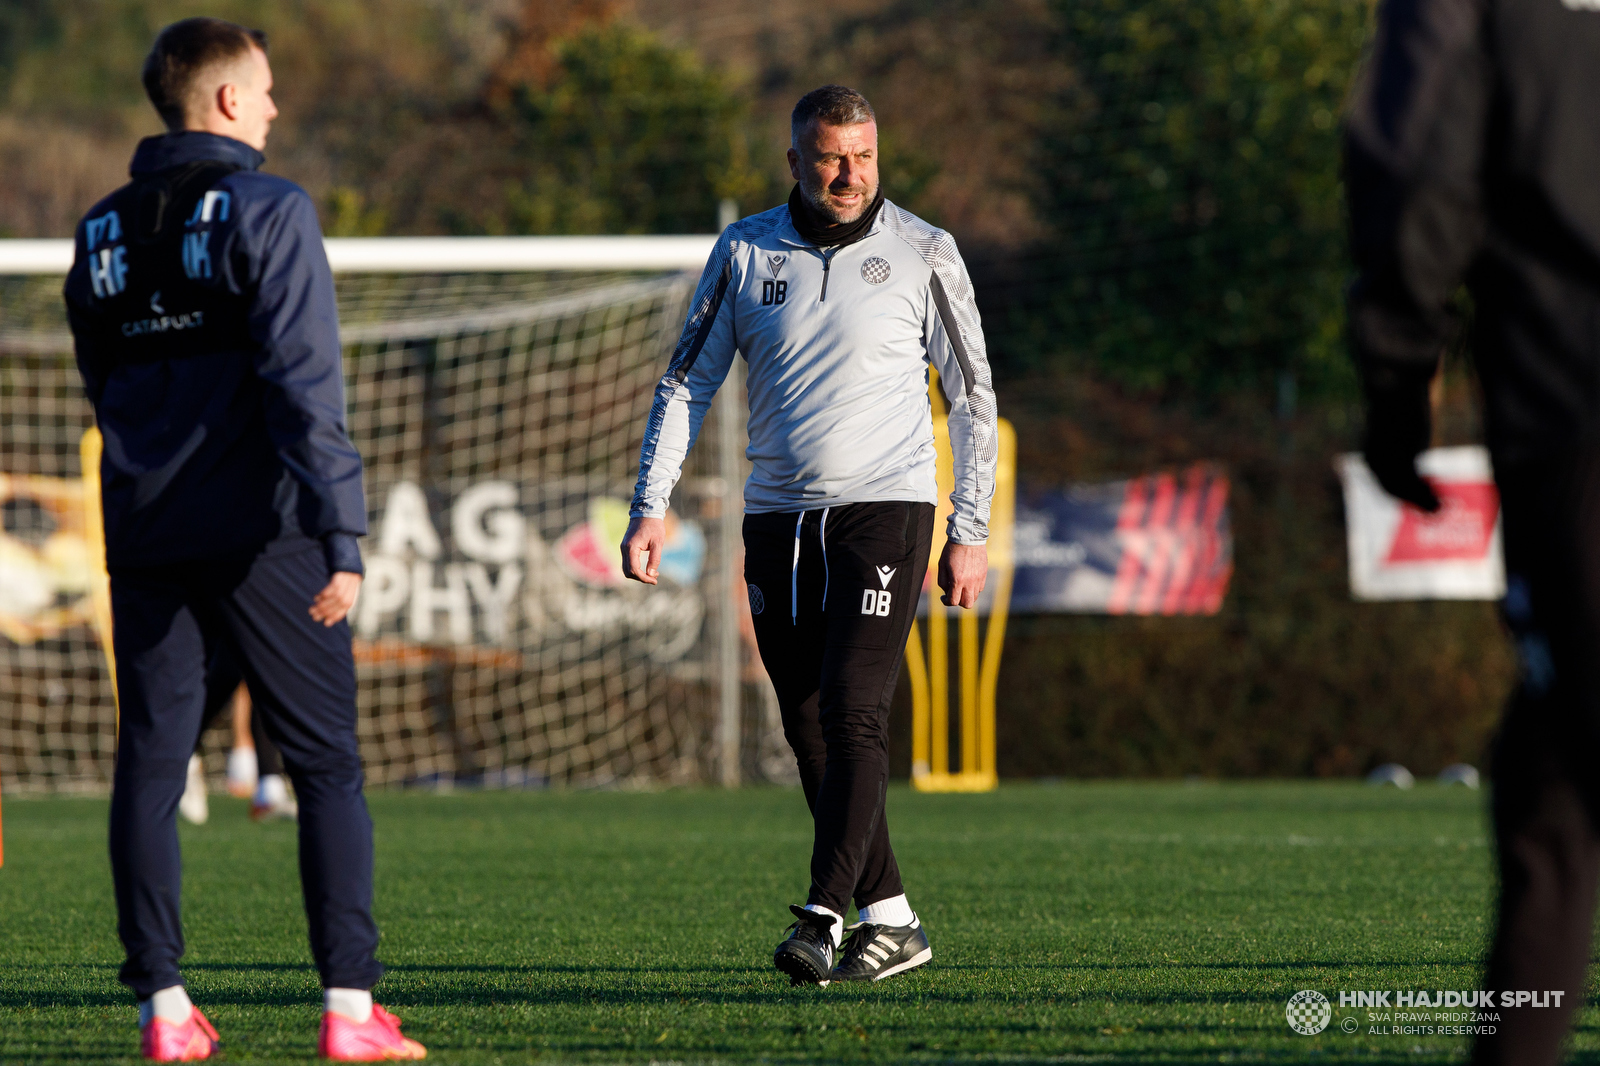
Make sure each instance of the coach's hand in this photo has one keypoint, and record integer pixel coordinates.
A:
(641, 549)
(335, 601)
(963, 568)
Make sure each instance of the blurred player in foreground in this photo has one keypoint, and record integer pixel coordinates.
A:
(207, 335)
(1472, 152)
(255, 766)
(840, 302)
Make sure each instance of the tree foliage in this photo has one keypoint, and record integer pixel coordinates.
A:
(1190, 176)
(630, 136)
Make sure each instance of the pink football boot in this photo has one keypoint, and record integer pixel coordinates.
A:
(164, 1041)
(377, 1040)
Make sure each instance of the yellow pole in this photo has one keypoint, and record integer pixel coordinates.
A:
(969, 691)
(94, 534)
(1002, 564)
(938, 657)
(939, 675)
(981, 645)
(917, 667)
(994, 640)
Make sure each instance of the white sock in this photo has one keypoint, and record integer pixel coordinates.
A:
(169, 1004)
(894, 911)
(271, 790)
(353, 1003)
(838, 921)
(242, 766)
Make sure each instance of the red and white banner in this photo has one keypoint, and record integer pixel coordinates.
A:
(1398, 552)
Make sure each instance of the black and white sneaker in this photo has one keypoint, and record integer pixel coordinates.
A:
(806, 954)
(874, 952)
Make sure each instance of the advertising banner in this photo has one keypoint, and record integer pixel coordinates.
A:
(1398, 552)
(505, 566)
(46, 568)
(1158, 544)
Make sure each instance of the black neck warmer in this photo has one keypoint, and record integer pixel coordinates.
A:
(812, 228)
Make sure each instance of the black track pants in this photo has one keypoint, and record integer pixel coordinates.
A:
(833, 594)
(1546, 801)
(169, 621)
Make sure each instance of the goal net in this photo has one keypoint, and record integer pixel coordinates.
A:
(499, 414)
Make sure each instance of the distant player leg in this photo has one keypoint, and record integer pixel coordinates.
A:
(243, 766)
(222, 680)
(270, 798)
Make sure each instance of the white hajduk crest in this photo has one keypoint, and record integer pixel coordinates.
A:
(775, 263)
(885, 573)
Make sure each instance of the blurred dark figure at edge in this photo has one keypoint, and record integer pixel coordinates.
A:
(1473, 154)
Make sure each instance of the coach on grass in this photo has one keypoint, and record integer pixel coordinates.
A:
(840, 302)
(203, 313)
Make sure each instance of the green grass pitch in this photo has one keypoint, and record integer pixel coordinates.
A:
(1115, 922)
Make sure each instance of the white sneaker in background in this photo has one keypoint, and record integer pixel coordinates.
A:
(193, 805)
(242, 770)
(272, 800)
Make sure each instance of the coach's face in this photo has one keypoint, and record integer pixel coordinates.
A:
(837, 168)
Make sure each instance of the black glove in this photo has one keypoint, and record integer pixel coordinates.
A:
(1399, 427)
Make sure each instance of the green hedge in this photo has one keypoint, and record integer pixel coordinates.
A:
(1292, 677)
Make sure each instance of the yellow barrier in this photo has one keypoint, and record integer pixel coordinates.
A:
(94, 533)
(979, 663)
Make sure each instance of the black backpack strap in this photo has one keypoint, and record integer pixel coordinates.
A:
(162, 201)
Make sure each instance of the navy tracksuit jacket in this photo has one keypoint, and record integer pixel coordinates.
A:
(207, 334)
(209, 346)
(1471, 155)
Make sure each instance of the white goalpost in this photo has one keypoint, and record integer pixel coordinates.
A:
(497, 389)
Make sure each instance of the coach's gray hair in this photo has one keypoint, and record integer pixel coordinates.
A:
(837, 105)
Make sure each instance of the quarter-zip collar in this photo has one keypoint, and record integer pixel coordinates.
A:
(803, 218)
(790, 235)
(169, 150)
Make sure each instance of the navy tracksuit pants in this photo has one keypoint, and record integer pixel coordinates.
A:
(169, 623)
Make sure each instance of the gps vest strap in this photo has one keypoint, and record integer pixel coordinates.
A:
(171, 303)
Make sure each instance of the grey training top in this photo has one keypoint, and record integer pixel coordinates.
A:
(838, 342)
